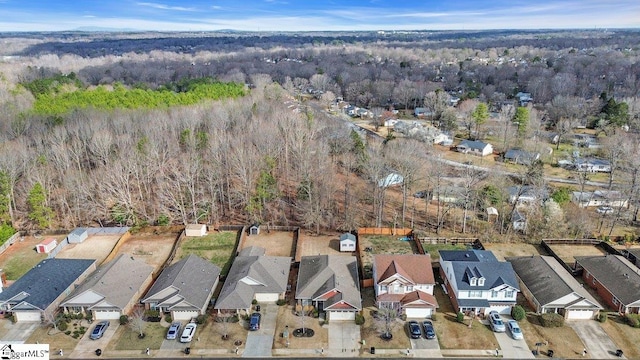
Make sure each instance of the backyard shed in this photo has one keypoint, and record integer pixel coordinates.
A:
(78, 235)
(347, 242)
(254, 229)
(196, 230)
(46, 246)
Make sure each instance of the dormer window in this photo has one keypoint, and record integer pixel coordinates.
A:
(481, 282)
(473, 281)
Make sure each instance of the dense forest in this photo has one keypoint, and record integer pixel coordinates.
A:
(136, 129)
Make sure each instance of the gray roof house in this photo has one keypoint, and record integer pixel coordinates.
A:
(38, 293)
(475, 147)
(477, 282)
(519, 156)
(112, 290)
(330, 283)
(254, 276)
(184, 289)
(549, 287)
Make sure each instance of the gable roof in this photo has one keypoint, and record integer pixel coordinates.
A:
(335, 274)
(250, 275)
(521, 156)
(495, 273)
(191, 281)
(466, 255)
(415, 268)
(116, 282)
(547, 280)
(473, 144)
(41, 285)
(615, 273)
(348, 236)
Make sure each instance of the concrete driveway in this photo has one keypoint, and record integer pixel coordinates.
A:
(344, 339)
(176, 344)
(513, 349)
(598, 344)
(260, 342)
(19, 332)
(86, 347)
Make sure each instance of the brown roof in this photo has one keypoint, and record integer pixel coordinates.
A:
(416, 268)
(418, 295)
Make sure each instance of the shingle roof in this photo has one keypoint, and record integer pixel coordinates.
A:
(250, 275)
(41, 285)
(547, 280)
(615, 273)
(415, 268)
(467, 264)
(192, 280)
(117, 282)
(473, 144)
(466, 255)
(323, 273)
(347, 236)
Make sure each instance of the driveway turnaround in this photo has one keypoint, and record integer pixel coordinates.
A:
(260, 342)
(344, 339)
(19, 332)
(598, 344)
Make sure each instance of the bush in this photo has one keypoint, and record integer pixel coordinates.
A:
(518, 313)
(124, 319)
(152, 313)
(359, 319)
(633, 320)
(551, 320)
(89, 317)
(460, 317)
(434, 317)
(602, 317)
(234, 319)
(201, 319)
(167, 318)
(281, 302)
(62, 326)
(254, 301)
(68, 332)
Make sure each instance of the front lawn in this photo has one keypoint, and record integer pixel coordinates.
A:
(216, 247)
(562, 340)
(56, 339)
(624, 336)
(126, 338)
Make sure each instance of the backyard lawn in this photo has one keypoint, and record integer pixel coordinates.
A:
(217, 247)
(21, 257)
(381, 244)
(432, 249)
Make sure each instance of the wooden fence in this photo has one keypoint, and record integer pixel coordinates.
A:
(9, 242)
(385, 231)
(571, 241)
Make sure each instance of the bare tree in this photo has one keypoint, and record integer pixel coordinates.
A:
(137, 322)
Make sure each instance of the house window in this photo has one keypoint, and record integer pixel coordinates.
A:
(509, 293)
(153, 306)
(383, 288)
(475, 294)
(481, 282)
(473, 281)
(615, 301)
(494, 294)
(409, 287)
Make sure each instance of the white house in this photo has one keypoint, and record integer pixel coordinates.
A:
(390, 180)
(475, 147)
(599, 198)
(347, 242)
(195, 230)
(390, 122)
(477, 282)
(592, 165)
(405, 283)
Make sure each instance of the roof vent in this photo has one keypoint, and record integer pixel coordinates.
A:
(466, 255)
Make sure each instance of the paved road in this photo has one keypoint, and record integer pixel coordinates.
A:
(344, 339)
(260, 342)
(598, 344)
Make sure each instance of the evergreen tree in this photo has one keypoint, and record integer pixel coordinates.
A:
(39, 213)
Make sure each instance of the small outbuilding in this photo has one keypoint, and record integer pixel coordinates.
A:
(46, 246)
(196, 230)
(347, 242)
(78, 235)
(254, 229)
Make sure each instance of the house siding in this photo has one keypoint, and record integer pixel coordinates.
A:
(604, 294)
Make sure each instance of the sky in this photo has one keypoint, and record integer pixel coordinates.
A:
(315, 15)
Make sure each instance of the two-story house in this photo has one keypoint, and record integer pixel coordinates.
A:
(477, 282)
(405, 283)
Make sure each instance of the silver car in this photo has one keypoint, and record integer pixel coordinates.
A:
(496, 322)
(173, 331)
(514, 329)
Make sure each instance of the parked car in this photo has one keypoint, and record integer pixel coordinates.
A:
(514, 328)
(429, 331)
(173, 331)
(188, 332)
(496, 322)
(99, 330)
(421, 194)
(604, 210)
(414, 329)
(254, 321)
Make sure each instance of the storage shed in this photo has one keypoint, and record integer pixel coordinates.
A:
(347, 242)
(78, 235)
(196, 230)
(254, 229)
(46, 246)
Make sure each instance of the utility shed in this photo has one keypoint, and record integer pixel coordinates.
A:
(78, 235)
(196, 230)
(46, 246)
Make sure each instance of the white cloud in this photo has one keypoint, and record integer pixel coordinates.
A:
(165, 7)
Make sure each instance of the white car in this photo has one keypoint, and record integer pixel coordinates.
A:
(188, 332)
(514, 328)
(604, 210)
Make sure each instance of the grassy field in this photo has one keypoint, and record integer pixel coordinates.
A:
(563, 340)
(126, 338)
(382, 244)
(432, 249)
(624, 336)
(217, 247)
(18, 265)
(56, 339)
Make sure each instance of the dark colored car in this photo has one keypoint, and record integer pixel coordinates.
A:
(99, 330)
(173, 331)
(414, 329)
(429, 331)
(254, 321)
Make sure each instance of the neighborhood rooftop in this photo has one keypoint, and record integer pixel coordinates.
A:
(616, 273)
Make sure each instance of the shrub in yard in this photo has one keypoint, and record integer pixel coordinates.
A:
(234, 319)
(62, 326)
(460, 317)
(518, 313)
(89, 317)
(281, 302)
(201, 319)
(602, 317)
(124, 319)
(254, 301)
(434, 317)
(359, 319)
(633, 320)
(68, 332)
(167, 318)
(551, 320)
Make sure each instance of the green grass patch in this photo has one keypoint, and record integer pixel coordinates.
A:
(390, 245)
(216, 247)
(18, 265)
(153, 335)
(432, 249)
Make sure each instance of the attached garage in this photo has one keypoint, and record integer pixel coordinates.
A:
(580, 314)
(418, 313)
(106, 315)
(30, 316)
(501, 309)
(341, 315)
(267, 297)
(184, 315)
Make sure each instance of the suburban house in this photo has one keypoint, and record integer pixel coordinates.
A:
(38, 293)
(330, 284)
(519, 221)
(524, 98)
(112, 290)
(526, 194)
(550, 288)
(599, 198)
(633, 255)
(477, 282)
(592, 165)
(347, 242)
(195, 230)
(615, 279)
(475, 147)
(405, 283)
(184, 289)
(253, 276)
(519, 156)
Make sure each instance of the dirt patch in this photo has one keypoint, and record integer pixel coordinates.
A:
(624, 336)
(153, 249)
(93, 247)
(568, 252)
(286, 317)
(309, 245)
(502, 251)
(276, 243)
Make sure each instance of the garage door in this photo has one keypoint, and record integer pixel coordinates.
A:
(579, 314)
(341, 315)
(501, 309)
(267, 297)
(106, 315)
(184, 315)
(418, 313)
(28, 316)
